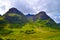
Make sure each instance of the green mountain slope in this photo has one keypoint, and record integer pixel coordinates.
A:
(15, 17)
(16, 26)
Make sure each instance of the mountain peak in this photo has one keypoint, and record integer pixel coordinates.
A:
(42, 12)
(42, 15)
(15, 16)
(14, 10)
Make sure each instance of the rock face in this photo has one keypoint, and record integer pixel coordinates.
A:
(15, 16)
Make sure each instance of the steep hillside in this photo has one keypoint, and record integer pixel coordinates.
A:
(14, 16)
(43, 19)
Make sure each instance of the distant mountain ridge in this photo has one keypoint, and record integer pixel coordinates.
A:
(15, 16)
(17, 19)
(41, 15)
(30, 17)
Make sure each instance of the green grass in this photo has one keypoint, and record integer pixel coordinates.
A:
(39, 30)
(32, 32)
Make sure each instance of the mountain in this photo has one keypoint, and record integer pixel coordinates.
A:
(42, 15)
(14, 25)
(0, 15)
(15, 16)
(30, 17)
(42, 19)
(14, 10)
(39, 16)
(59, 25)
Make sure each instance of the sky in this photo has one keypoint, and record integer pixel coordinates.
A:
(51, 7)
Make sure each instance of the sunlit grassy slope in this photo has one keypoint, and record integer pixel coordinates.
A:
(39, 30)
(29, 31)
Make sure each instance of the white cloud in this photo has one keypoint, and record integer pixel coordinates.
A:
(4, 6)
